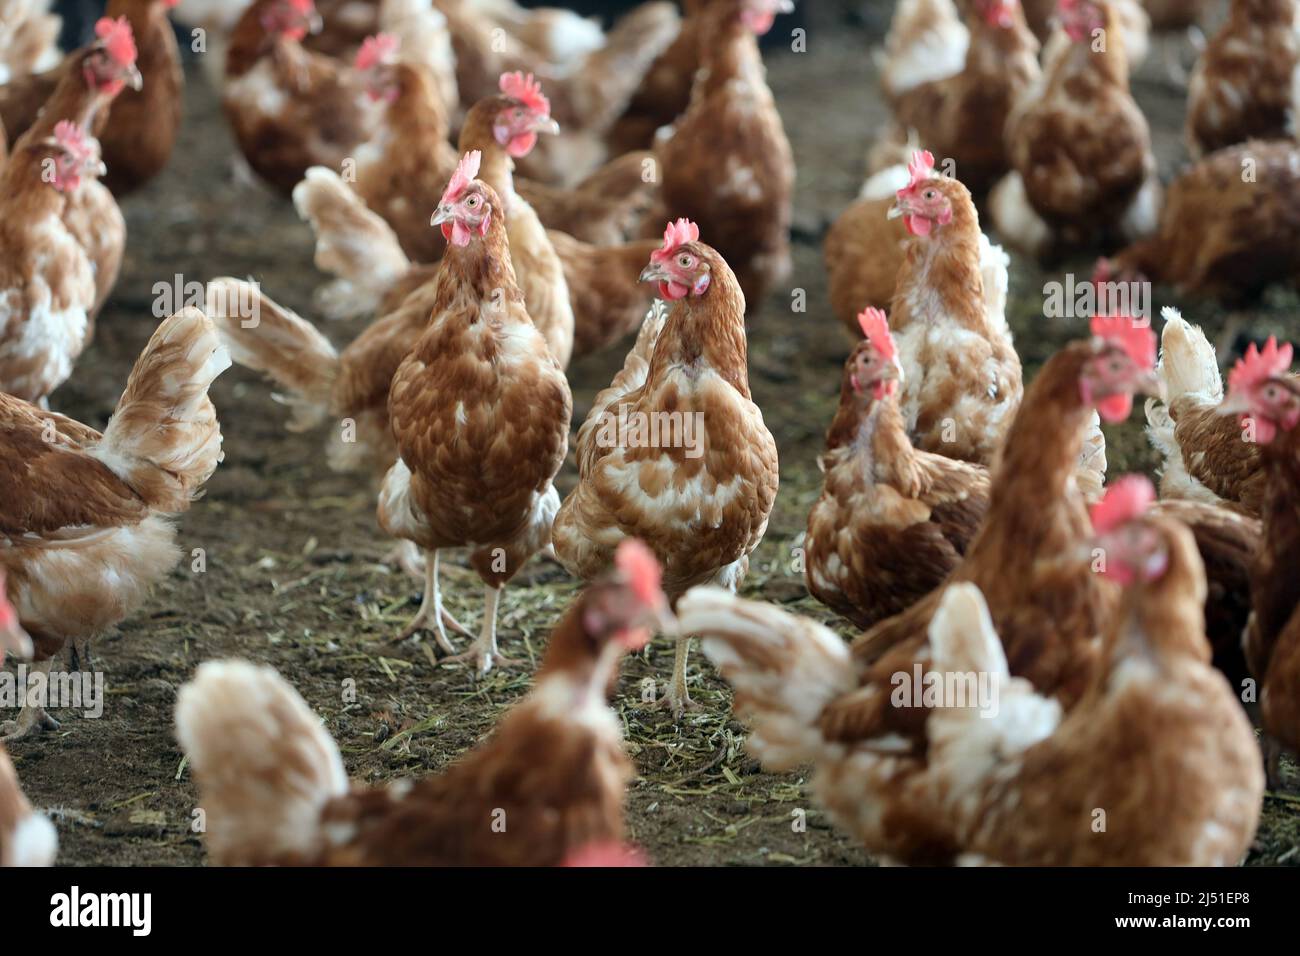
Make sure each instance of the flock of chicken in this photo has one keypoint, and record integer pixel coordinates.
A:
(1054, 668)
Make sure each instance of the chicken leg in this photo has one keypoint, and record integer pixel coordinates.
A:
(30, 718)
(432, 615)
(484, 652)
(676, 697)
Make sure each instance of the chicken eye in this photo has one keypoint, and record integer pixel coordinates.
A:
(684, 262)
(472, 202)
(930, 195)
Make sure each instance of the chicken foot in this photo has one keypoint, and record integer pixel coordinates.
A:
(432, 616)
(484, 652)
(30, 719)
(676, 697)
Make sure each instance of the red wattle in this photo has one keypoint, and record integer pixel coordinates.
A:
(1116, 408)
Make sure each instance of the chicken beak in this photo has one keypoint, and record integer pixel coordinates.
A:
(1150, 383)
(135, 79)
(897, 210)
(785, 6)
(440, 215)
(545, 124)
(653, 273)
(315, 23)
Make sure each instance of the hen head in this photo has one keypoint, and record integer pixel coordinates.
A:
(13, 639)
(927, 203)
(682, 264)
(291, 19)
(1262, 393)
(874, 367)
(374, 63)
(1133, 550)
(76, 156)
(1081, 18)
(465, 210)
(624, 607)
(1122, 362)
(110, 65)
(525, 112)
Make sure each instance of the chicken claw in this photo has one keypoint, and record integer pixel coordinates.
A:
(483, 652)
(676, 697)
(30, 720)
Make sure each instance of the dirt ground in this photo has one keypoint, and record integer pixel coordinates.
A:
(293, 575)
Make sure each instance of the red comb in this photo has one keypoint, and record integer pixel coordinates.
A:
(1139, 341)
(921, 166)
(303, 6)
(1126, 499)
(677, 233)
(1257, 366)
(465, 172)
(526, 90)
(605, 855)
(117, 38)
(639, 565)
(71, 137)
(377, 49)
(875, 326)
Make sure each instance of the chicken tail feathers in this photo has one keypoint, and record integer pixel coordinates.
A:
(164, 439)
(1189, 364)
(784, 670)
(268, 338)
(353, 243)
(264, 765)
(26, 838)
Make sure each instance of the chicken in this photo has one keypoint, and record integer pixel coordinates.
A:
(727, 164)
(47, 277)
(864, 252)
(139, 130)
(480, 410)
(1244, 85)
(1267, 400)
(401, 172)
(587, 95)
(1083, 171)
(814, 701)
(961, 375)
(291, 108)
(892, 522)
(505, 126)
(26, 837)
(1131, 15)
(29, 40)
(84, 529)
(549, 781)
(1155, 766)
(1230, 226)
(953, 89)
(675, 451)
(1205, 458)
